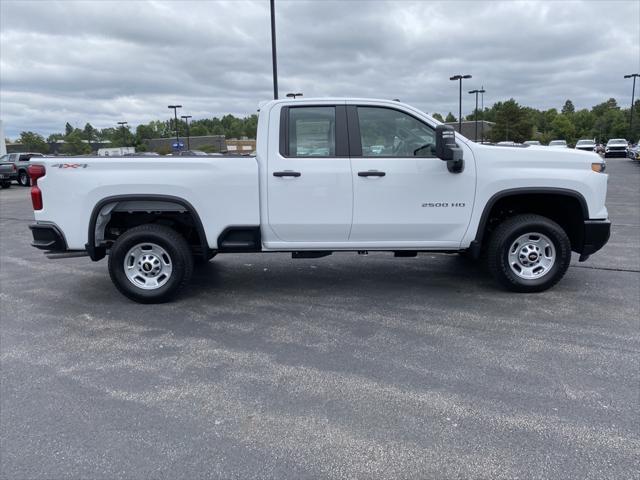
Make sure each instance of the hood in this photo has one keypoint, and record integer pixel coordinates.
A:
(533, 155)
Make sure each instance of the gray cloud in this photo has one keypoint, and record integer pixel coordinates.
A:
(105, 61)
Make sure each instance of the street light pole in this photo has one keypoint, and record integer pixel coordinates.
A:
(633, 92)
(175, 115)
(124, 136)
(186, 120)
(476, 91)
(273, 50)
(459, 78)
(482, 90)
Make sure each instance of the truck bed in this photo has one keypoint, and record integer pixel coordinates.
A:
(222, 189)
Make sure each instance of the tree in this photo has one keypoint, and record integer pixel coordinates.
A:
(89, 132)
(74, 144)
(68, 129)
(568, 108)
(512, 122)
(563, 129)
(584, 122)
(198, 130)
(54, 137)
(450, 118)
(33, 142)
(438, 117)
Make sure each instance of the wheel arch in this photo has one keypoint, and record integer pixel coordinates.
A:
(522, 196)
(97, 252)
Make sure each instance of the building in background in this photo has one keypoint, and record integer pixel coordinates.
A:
(469, 129)
(242, 146)
(211, 143)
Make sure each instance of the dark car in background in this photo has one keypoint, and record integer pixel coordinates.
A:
(7, 172)
(21, 163)
(616, 147)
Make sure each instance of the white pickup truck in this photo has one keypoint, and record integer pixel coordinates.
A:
(329, 175)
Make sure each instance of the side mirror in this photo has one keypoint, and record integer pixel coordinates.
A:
(447, 149)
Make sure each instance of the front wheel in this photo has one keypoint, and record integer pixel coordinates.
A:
(150, 263)
(23, 178)
(5, 184)
(529, 253)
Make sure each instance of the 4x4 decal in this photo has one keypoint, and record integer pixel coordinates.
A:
(70, 165)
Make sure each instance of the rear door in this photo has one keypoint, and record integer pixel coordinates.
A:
(309, 185)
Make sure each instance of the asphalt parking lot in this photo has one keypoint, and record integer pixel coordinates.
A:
(340, 367)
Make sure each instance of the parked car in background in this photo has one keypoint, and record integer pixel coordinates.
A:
(21, 162)
(586, 145)
(7, 170)
(616, 147)
(509, 143)
(558, 144)
(532, 142)
(634, 152)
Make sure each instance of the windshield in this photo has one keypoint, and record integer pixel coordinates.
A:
(586, 142)
(558, 142)
(617, 141)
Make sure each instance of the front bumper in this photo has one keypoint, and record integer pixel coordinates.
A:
(616, 153)
(596, 235)
(47, 236)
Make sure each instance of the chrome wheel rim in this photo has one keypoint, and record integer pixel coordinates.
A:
(531, 256)
(148, 266)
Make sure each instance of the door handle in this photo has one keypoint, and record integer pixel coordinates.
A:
(371, 173)
(287, 173)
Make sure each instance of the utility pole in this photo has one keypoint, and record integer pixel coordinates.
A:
(273, 50)
(175, 115)
(186, 120)
(459, 78)
(633, 92)
(124, 134)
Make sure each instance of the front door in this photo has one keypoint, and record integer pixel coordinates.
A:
(403, 194)
(309, 188)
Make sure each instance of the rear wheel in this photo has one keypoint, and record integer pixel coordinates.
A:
(529, 253)
(23, 178)
(150, 263)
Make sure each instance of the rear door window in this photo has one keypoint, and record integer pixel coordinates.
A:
(312, 132)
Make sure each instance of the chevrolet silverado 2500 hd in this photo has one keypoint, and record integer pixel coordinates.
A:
(329, 175)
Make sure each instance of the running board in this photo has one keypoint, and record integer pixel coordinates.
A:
(60, 255)
(310, 254)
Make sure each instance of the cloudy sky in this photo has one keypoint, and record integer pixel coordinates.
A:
(105, 61)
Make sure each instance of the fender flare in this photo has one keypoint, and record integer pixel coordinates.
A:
(97, 253)
(476, 244)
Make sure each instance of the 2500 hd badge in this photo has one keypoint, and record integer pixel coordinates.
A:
(443, 204)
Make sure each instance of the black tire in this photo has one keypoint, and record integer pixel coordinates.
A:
(508, 232)
(5, 184)
(168, 239)
(23, 178)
